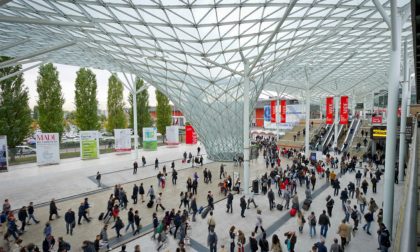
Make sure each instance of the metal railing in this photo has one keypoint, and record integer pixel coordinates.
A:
(407, 233)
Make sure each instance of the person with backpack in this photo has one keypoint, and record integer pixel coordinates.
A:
(253, 242)
(22, 216)
(312, 224)
(290, 241)
(356, 217)
(264, 243)
(118, 226)
(384, 238)
(330, 205)
(63, 246)
(212, 241)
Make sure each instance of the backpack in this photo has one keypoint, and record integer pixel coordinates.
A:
(313, 222)
(354, 215)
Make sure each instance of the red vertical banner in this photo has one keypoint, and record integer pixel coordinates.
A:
(329, 110)
(283, 111)
(273, 111)
(344, 110)
(190, 135)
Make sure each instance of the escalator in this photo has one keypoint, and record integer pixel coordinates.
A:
(330, 139)
(345, 142)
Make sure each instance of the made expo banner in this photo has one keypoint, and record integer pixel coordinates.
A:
(47, 148)
(122, 140)
(344, 110)
(283, 111)
(149, 139)
(89, 144)
(267, 114)
(172, 135)
(3, 154)
(273, 111)
(329, 110)
(190, 135)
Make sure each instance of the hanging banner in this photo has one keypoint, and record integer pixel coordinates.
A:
(172, 135)
(267, 113)
(150, 139)
(47, 148)
(376, 119)
(3, 154)
(329, 112)
(190, 135)
(344, 110)
(122, 140)
(273, 111)
(283, 111)
(89, 144)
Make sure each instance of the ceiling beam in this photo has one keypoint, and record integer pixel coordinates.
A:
(3, 2)
(36, 21)
(13, 44)
(381, 10)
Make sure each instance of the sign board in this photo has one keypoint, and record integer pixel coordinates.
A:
(283, 111)
(172, 135)
(47, 148)
(122, 140)
(190, 135)
(313, 156)
(376, 119)
(267, 114)
(378, 132)
(89, 144)
(273, 111)
(3, 154)
(149, 139)
(330, 110)
(409, 129)
(344, 110)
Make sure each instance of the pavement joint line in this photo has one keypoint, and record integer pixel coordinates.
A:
(102, 189)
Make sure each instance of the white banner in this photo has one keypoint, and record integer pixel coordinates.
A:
(172, 135)
(3, 154)
(89, 144)
(47, 148)
(122, 140)
(149, 134)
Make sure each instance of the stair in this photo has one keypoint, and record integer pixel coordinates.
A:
(287, 141)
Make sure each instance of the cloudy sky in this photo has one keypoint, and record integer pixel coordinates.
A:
(67, 75)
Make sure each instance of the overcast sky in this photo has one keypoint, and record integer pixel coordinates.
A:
(67, 76)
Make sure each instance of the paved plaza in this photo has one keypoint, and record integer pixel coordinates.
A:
(73, 180)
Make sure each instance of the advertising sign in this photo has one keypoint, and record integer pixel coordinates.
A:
(376, 119)
(190, 135)
(378, 132)
(89, 144)
(283, 111)
(329, 112)
(172, 135)
(267, 114)
(47, 148)
(273, 111)
(149, 139)
(3, 154)
(122, 140)
(344, 110)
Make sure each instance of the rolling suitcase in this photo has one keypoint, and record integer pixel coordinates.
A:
(293, 212)
(205, 212)
(101, 216)
(279, 207)
(306, 204)
(150, 204)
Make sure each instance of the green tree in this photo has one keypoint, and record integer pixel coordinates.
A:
(15, 114)
(115, 105)
(85, 100)
(50, 100)
(144, 119)
(163, 113)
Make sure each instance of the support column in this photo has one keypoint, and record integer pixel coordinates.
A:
(278, 117)
(308, 117)
(336, 120)
(404, 98)
(320, 109)
(393, 88)
(245, 183)
(136, 134)
(364, 107)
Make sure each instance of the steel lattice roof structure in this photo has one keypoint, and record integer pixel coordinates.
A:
(190, 50)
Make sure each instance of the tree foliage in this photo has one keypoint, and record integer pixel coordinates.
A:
(143, 116)
(115, 105)
(50, 100)
(85, 100)
(15, 114)
(163, 113)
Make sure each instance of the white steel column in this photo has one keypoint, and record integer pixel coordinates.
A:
(308, 117)
(336, 120)
(320, 108)
(246, 129)
(403, 123)
(136, 133)
(393, 88)
(364, 107)
(278, 116)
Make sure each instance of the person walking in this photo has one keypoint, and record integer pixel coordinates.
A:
(324, 222)
(374, 183)
(210, 200)
(335, 247)
(369, 219)
(137, 220)
(174, 176)
(194, 207)
(253, 243)
(241, 241)
(229, 203)
(384, 238)
(135, 166)
(98, 178)
(141, 192)
(70, 219)
(300, 217)
(232, 236)
(211, 222)
(156, 163)
(118, 225)
(130, 219)
(212, 241)
(143, 161)
(22, 216)
(330, 205)
(264, 243)
(222, 171)
(365, 186)
(356, 217)
(342, 232)
(135, 194)
(31, 215)
(361, 200)
(312, 224)
(53, 210)
(243, 206)
(270, 196)
(358, 177)
(151, 193)
(82, 213)
(259, 222)
(287, 197)
(275, 244)
(159, 202)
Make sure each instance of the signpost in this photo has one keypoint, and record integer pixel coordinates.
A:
(47, 148)
(3, 154)
(122, 140)
(89, 144)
